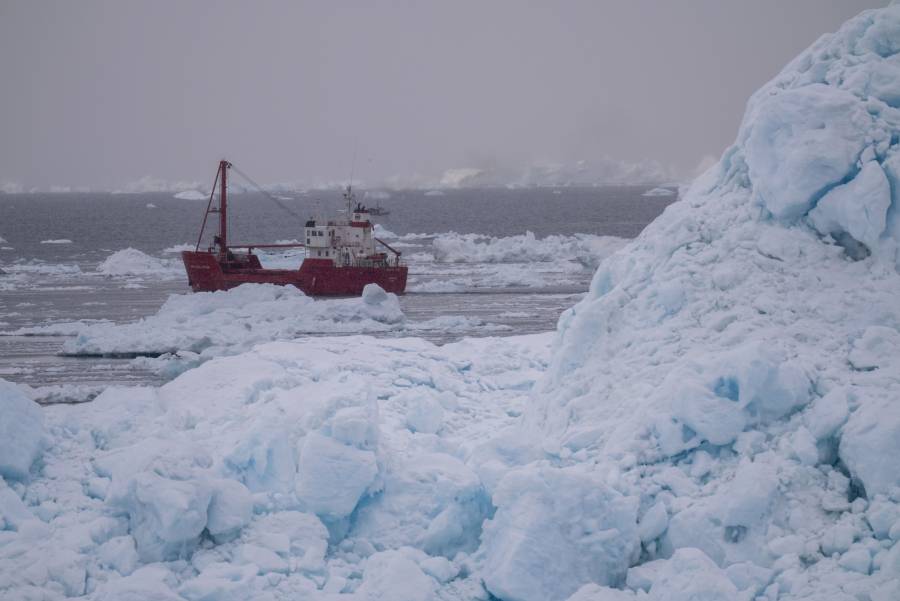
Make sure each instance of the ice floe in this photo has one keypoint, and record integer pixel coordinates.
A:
(232, 321)
(132, 262)
(659, 192)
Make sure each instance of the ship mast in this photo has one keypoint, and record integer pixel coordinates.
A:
(223, 208)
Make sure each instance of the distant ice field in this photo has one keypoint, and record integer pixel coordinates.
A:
(482, 262)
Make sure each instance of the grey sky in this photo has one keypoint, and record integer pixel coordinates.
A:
(101, 93)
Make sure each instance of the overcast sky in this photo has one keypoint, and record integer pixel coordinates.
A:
(101, 93)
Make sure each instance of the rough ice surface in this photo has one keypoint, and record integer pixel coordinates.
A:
(717, 419)
(282, 472)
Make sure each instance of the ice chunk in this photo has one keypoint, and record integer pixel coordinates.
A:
(261, 557)
(749, 496)
(803, 445)
(390, 575)
(881, 515)
(118, 553)
(355, 426)
(689, 574)
(264, 460)
(857, 559)
(300, 536)
(828, 124)
(595, 592)
(765, 383)
(871, 442)
(543, 543)
(167, 516)
(13, 511)
(827, 414)
(230, 509)
(333, 476)
(878, 347)
(431, 501)
(654, 522)
(858, 208)
(148, 583)
(21, 432)
(439, 568)
(220, 582)
(425, 414)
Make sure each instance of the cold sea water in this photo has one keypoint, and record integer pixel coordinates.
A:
(489, 261)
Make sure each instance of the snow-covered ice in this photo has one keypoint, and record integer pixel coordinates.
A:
(57, 241)
(717, 419)
(132, 262)
(285, 469)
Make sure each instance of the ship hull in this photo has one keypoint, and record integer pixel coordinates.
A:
(315, 277)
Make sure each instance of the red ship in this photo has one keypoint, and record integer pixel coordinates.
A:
(341, 254)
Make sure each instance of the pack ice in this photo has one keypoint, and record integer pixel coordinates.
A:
(718, 419)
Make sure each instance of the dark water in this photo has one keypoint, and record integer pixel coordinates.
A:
(97, 224)
(49, 283)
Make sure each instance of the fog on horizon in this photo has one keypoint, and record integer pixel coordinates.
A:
(100, 93)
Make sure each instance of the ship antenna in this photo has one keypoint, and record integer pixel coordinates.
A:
(349, 193)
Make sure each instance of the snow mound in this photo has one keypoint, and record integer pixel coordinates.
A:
(734, 368)
(57, 241)
(228, 322)
(659, 192)
(132, 262)
(191, 195)
(21, 432)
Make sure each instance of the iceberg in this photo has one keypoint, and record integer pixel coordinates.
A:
(734, 368)
(191, 195)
